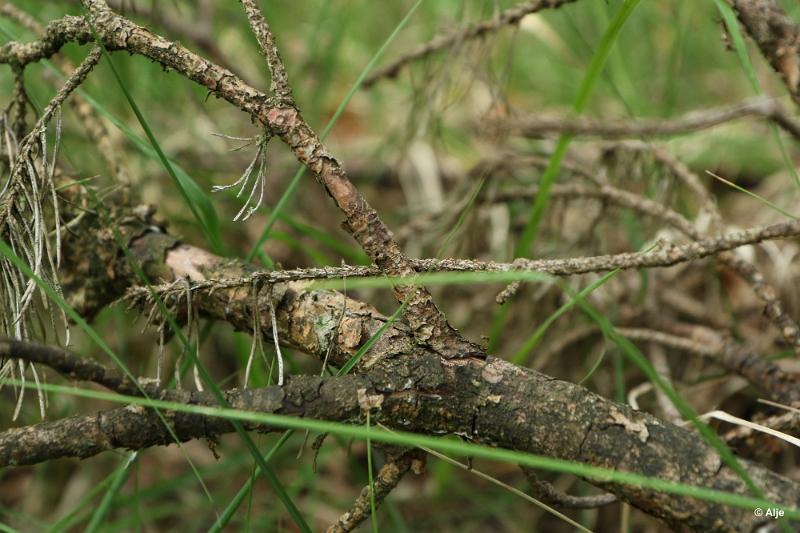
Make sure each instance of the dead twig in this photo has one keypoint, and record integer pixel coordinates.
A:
(509, 17)
(760, 107)
(387, 479)
(546, 492)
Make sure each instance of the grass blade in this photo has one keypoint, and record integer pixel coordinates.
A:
(445, 445)
(686, 411)
(735, 32)
(117, 481)
(593, 72)
(373, 516)
(287, 194)
(200, 205)
(521, 357)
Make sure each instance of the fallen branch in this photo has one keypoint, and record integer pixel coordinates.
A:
(760, 107)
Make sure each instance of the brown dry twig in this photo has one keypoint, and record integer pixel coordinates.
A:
(546, 492)
(509, 17)
(777, 36)
(667, 255)
(280, 81)
(281, 119)
(763, 374)
(72, 366)
(387, 479)
(760, 107)
(774, 309)
(196, 30)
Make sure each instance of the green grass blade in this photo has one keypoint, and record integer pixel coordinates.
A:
(353, 254)
(751, 194)
(372, 515)
(287, 194)
(444, 445)
(531, 342)
(353, 361)
(594, 368)
(588, 83)
(117, 481)
(72, 517)
(199, 204)
(247, 488)
(731, 22)
(436, 278)
(686, 411)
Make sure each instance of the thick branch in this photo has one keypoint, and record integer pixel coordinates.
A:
(488, 401)
(137, 428)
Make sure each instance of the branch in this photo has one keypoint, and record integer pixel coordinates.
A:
(137, 428)
(667, 255)
(767, 108)
(92, 123)
(387, 479)
(777, 36)
(488, 401)
(280, 81)
(20, 17)
(766, 376)
(546, 492)
(509, 17)
(22, 199)
(773, 306)
(69, 365)
(285, 121)
(198, 31)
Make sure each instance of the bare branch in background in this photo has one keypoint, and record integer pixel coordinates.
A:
(509, 17)
(760, 107)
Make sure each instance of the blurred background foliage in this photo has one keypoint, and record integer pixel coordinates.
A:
(408, 144)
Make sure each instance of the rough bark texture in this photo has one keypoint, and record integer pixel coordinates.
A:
(488, 401)
(421, 374)
(776, 35)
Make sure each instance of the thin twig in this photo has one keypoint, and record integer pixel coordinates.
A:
(762, 107)
(387, 479)
(765, 375)
(509, 17)
(71, 365)
(549, 494)
(280, 81)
